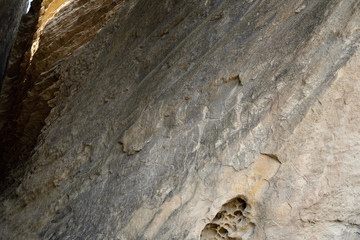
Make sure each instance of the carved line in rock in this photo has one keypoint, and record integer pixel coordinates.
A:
(230, 222)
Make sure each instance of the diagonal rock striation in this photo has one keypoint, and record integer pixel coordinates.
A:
(184, 120)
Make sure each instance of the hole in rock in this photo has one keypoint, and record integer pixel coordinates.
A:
(223, 231)
(219, 215)
(229, 223)
(237, 213)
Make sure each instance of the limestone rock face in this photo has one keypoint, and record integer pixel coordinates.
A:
(11, 12)
(32, 78)
(186, 120)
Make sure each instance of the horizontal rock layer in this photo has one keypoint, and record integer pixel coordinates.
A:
(190, 120)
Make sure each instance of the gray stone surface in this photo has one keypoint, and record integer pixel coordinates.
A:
(176, 109)
(11, 12)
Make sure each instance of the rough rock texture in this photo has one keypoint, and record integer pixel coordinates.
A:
(193, 120)
(11, 95)
(11, 12)
(30, 86)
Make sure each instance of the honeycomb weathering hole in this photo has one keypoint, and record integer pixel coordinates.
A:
(229, 223)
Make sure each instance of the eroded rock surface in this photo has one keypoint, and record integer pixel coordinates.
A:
(48, 35)
(11, 12)
(230, 222)
(193, 120)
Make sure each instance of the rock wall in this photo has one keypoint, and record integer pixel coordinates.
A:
(48, 35)
(189, 120)
(11, 12)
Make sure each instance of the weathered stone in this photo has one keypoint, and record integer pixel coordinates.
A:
(193, 120)
(11, 12)
(32, 78)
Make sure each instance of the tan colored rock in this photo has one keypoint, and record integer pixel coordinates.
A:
(193, 120)
(319, 179)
